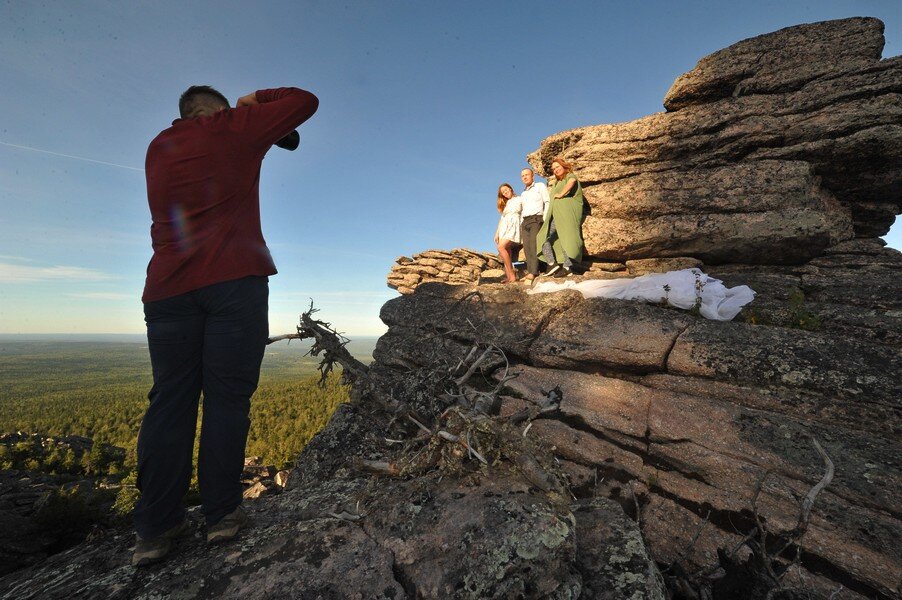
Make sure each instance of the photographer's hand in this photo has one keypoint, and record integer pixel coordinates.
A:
(247, 100)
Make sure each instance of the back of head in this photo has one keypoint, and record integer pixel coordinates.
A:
(200, 101)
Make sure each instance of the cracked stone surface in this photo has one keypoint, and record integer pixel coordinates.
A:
(772, 151)
(685, 416)
(776, 166)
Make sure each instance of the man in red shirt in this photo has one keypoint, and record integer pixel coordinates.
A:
(205, 305)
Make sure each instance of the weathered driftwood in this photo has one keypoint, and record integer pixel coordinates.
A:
(328, 342)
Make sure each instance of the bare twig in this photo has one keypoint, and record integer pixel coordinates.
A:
(796, 534)
(685, 552)
(636, 503)
(380, 467)
(457, 440)
(287, 336)
(482, 357)
(808, 502)
(462, 362)
(418, 424)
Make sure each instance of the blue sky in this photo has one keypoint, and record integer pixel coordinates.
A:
(425, 107)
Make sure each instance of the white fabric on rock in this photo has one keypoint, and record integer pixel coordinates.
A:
(684, 287)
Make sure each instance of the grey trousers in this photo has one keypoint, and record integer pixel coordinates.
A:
(548, 250)
(529, 230)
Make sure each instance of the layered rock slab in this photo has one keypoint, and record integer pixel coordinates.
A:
(697, 413)
(779, 61)
(458, 266)
(787, 97)
(773, 211)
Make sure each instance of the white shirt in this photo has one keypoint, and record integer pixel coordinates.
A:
(535, 199)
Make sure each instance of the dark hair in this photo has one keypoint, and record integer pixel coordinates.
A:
(198, 97)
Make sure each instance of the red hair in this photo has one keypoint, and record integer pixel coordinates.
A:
(502, 201)
(568, 168)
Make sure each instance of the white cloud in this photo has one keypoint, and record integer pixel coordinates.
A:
(337, 294)
(106, 296)
(10, 273)
(15, 258)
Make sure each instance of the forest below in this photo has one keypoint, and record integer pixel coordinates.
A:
(99, 390)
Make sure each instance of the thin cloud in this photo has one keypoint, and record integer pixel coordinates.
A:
(105, 296)
(335, 293)
(58, 235)
(15, 258)
(10, 273)
(84, 158)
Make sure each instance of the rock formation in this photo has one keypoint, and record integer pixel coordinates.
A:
(498, 442)
(770, 151)
(458, 266)
(691, 416)
(777, 165)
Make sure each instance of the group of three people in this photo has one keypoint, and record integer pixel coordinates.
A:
(541, 219)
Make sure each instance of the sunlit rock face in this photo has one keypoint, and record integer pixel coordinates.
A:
(458, 266)
(686, 418)
(770, 151)
(776, 167)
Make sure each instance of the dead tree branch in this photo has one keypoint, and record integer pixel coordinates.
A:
(330, 344)
(767, 563)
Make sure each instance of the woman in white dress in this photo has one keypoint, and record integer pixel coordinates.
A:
(507, 236)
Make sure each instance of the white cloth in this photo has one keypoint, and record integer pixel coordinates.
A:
(535, 199)
(509, 224)
(684, 289)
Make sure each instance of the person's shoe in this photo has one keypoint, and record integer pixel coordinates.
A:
(552, 270)
(228, 527)
(152, 550)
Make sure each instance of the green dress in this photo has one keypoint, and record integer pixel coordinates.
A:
(567, 213)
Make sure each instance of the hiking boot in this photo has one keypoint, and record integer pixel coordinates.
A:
(151, 550)
(552, 269)
(228, 527)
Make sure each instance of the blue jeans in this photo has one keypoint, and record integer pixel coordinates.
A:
(209, 340)
(548, 249)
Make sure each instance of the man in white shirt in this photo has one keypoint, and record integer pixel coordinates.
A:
(535, 204)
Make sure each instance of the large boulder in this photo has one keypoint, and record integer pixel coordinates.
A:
(767, 212)
(340, 533)
(625, 436)
(772, 150)
(707, 426)
(780, 61)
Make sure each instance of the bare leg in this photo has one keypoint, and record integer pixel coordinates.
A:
(504, 251)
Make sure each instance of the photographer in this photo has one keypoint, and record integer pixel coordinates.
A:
(205, 304)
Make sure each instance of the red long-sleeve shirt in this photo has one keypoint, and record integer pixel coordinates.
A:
(203, 179)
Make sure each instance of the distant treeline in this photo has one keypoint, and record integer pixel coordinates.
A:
(99, 390)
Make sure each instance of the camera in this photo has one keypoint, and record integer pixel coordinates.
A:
(290, 141)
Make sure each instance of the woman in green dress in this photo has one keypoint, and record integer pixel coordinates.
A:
(561, 237)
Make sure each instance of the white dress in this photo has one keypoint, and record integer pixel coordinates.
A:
(509, 224)
(684, 289)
